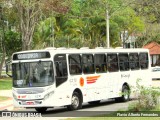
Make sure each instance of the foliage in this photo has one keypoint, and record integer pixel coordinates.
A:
(148, 98)
(115, 118)
(29, 14)
(10, 38)
(44, 33)
(59, 6)
(149, 11)
(5, 84)
(77, 23)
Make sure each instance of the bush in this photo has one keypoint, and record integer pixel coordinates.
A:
(148, 98)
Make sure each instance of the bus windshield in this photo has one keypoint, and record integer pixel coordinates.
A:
(32, 74)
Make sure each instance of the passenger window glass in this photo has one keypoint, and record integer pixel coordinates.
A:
(112, 62)
(134, 61)
(75, 64)
(123, 62)
(100, 63)
(143, 59)
(88, 63)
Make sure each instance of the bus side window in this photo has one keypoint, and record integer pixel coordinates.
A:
(75, 64)
(134, 61)
(88, 63)
(112, 62)
(143, 60)
(100, 63)
(123, 62)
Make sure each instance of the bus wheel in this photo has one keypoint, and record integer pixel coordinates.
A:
(94, 102)
(125, 94)
(41, 109)
(76, 102)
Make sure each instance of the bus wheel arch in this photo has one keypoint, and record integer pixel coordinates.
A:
(76, 100)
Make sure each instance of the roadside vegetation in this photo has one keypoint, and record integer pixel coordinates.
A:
(117, 118)
(5, 84)
(148, 100)
(3, 98)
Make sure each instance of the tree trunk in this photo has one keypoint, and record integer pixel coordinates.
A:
(1, 64)
(28, 15)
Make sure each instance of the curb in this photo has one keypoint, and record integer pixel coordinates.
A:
(8, 107)
(6, 104)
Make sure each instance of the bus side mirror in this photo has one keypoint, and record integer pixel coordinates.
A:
(9, 69)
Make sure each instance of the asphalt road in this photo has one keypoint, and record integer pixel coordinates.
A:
(105, 107)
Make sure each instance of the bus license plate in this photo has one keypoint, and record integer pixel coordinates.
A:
(30, 103)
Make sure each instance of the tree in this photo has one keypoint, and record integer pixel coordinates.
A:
(149, 11)
(44, 33)
(10, 38)
(8, 35)
(2, 36)
(90, 22)
(29, 12)
(127, 20)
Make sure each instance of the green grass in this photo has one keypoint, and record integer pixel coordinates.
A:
(3, 72)
(2, 98)
(113, 116)
(5, 84)
(116, 118)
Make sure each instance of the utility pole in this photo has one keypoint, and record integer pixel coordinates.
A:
(107, 28)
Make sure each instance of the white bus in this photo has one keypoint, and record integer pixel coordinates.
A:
(69, 77)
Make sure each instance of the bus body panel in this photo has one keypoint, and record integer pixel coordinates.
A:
(96, 86)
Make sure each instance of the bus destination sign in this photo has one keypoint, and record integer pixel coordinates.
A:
(34, 55)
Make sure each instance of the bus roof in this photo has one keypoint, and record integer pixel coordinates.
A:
(48, 53)
(84, 50)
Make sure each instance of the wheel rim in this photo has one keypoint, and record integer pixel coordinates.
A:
(126, 94)
(75, 101)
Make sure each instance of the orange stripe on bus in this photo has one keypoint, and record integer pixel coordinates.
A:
(93, 77)
(89, 82)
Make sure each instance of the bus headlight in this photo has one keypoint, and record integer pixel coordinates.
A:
(14, 96)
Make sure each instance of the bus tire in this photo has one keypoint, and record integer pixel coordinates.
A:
(125, 94)
(94, 102)
(76, 102)
(41, 109)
